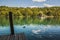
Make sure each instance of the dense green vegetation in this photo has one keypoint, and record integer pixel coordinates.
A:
(30, 12)
(28, 15)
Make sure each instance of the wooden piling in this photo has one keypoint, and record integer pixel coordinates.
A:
(11, 23)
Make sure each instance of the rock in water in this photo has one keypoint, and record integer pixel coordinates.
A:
(24, 27)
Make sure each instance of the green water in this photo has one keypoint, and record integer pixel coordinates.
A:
(4, 21)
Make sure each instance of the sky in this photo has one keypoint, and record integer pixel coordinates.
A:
(30, 3)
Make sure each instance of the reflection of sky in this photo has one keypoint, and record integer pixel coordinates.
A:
(37, 28)
(38, 31)
(4, 30)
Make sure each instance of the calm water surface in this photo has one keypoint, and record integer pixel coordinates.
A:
(34, 28)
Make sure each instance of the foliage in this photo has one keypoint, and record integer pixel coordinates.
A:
(31, 12)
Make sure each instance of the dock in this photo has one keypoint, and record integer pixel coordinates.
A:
(20, 36)
(12, 36)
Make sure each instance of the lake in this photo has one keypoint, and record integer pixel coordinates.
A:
(34, 28)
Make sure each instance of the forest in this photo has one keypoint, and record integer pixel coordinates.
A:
(30, 12)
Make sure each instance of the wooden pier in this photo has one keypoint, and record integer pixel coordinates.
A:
(20, 36)
(12, 36)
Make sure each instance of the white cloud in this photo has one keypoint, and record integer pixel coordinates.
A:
(38, 0)
(48, 5)
(33, 6)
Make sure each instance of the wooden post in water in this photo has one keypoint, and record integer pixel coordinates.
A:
(11, 23)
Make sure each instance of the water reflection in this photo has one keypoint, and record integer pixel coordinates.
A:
(36, 31)
(39, 32)
(5, 30)
(28, 20)
(36, 20)
(34, 28)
